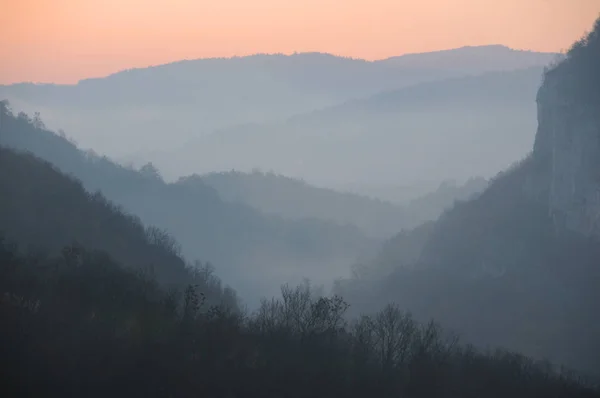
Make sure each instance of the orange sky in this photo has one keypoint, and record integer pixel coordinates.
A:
(67, 40)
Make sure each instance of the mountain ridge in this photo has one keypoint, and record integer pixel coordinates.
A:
(296, 199)
(456, 50)
(194, 98)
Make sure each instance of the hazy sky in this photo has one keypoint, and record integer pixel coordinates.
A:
(66, 40)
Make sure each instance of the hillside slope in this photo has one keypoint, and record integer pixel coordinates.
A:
(44, 211)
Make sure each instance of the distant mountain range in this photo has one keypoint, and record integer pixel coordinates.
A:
(474, 59)
(435, 131)
(162, 107)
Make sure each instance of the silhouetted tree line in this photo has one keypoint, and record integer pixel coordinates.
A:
(576, 75)
(79, 324)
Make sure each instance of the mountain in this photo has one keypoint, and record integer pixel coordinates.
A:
(437, 131)
(194, 97)
(567, 143)
(474, 59)
(47, 212)
(295, 199)
(235, 237)
(432, 204)
(516, 266)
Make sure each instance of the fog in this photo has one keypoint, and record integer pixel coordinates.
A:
(405, 188)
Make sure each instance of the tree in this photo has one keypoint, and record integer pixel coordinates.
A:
(150, 171)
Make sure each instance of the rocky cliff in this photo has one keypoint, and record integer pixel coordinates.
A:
(567, 143)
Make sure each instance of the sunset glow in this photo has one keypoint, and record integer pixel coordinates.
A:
(66, 40)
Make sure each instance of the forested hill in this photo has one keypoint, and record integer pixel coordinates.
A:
(293, 198)
(44, 212)
(233, 237)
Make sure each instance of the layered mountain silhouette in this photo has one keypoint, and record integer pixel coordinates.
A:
(254, 252)
(195, 97)
(108, 273)
(436, 131)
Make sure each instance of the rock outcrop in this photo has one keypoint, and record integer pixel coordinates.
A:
(567, 143)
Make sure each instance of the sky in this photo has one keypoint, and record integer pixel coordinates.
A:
(63, 41)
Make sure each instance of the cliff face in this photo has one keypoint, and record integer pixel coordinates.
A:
(567, 142)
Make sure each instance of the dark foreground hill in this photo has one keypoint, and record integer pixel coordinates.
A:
(81, 325)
